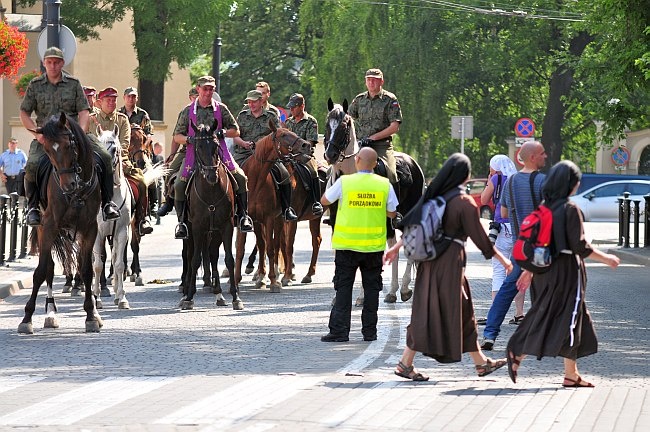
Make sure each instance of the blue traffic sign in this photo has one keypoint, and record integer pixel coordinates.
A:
(525, 128)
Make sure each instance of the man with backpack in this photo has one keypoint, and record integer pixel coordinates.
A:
(521, 195)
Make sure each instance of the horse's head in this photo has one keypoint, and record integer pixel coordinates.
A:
(139, 147)
(63, 143)
(110, 141)
(339, 132)
(288, 145)
(206, 147)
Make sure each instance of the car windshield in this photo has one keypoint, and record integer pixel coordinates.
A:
(610, 190)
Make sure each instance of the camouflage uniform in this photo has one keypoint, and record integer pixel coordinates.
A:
(204, 116)
(307, 129)
(252, 129)
(372, 115)
(139, 117)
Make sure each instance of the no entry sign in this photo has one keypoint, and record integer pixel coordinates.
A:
(525, 128)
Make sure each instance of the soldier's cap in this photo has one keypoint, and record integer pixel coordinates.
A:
(253, 95)
(108, 91)
(374, 73)
(206, 80)
(130, 91)
(53, 52)
(193, 92)
(90, 90)
(296, 99)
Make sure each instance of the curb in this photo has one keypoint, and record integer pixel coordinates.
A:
(10, 288)
(633, 256)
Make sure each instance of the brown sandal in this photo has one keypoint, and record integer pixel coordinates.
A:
(577, 383)
(408, 373)
(513, 360)
(490, 366)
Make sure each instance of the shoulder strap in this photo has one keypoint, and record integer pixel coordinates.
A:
(513, 217)
(532, 189)
(497, 190)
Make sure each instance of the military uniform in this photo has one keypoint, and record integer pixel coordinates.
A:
(139, 117)
(307, 129)
(253, 129)
(372, 115)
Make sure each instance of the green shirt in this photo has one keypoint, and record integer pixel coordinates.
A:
(372, 115)
(139, 117)
(47, 99)
(306, 128)
(253, 129)
(204, 116)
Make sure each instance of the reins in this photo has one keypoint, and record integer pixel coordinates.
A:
(83, 189)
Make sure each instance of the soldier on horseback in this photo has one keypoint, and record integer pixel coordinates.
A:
(106, 118)
(254, 125)
(133, 112)
(305, 126)
(205, 110)
(47, 95)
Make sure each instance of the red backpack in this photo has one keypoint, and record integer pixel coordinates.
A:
(532, 249)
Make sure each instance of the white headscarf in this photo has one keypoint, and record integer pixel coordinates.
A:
(504, 164)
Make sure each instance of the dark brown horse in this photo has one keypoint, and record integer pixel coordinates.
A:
(263, 206)
(69, 222)
(210, 206)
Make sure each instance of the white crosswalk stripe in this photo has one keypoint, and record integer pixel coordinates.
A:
(11, 383)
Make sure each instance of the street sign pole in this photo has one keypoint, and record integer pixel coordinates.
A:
(462, 127)
(462, 135)
(53, 21)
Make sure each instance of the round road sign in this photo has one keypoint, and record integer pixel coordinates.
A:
(525, 128)
(620, 156)
(66, 40)
(518, 158)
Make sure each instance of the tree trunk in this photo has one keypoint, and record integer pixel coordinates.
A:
(152, 98)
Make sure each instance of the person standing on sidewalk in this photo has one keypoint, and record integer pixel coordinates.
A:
(442, 317)
(558, 323)
(521, 194)
(12, 164)
(365, 199)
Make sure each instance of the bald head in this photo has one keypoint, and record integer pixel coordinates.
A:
(366, 159)
(533, 155)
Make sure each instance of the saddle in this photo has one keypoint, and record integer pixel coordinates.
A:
(303, 174)
(403, 171)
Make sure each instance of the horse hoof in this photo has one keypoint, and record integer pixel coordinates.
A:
(180, 289)
(260, 285)
(306, 279)
(99, 304)
(25, 328)
(51, 322)
(105, 292)
(124, 304)
(249, 270)
(286, 282)
(116, 301)
(390, 298)
(222, 302)
(76, 292)
(406, 296)
(276, 288)
(358, 302)
(238, 305)
(225, 273)
(187, 305)
(92, 327)
(132, 278)
(138, 281)
(66, 289)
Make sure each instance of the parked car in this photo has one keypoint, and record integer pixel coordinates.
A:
(474, 187)
(590, 180)
(600, 203)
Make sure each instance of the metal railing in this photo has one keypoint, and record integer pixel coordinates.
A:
(13, 210)
(628, 209)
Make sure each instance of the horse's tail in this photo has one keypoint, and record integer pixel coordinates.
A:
(156, 172)
(66, 252)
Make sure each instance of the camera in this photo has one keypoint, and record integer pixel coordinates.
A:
(493, 233)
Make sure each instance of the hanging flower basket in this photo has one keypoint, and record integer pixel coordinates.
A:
(23, 81)
(13, 50)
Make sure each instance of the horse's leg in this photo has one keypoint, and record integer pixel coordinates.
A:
(67, 287)
(316, 239)
(207, 268)
(195, 263)
(213, 252)
(51, 320)
(239, 254)
(93, 320)
(119, 243)
(260, 239)
(273, 246)
(250, 266)
(136, 271)
(391, 297)
(288, 239)
(184, 254)
(98, 269)
(237, 304)
(405, 292)
(44, 255)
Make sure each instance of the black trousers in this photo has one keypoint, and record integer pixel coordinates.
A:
(14, 184)
(346, 265)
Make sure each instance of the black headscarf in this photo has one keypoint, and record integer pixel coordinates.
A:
(453, 174)
(557, 187)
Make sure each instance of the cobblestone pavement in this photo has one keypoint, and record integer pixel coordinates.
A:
(155, 368)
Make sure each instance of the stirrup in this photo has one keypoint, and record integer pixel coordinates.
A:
(290, 215)
(317, 209)
(145, 227)
(33, 217)
(245, 224)
(110, 211)
(181, 231)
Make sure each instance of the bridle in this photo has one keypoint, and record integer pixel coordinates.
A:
(76, 169)
(277, 143)
(206, 168)
(340, 144)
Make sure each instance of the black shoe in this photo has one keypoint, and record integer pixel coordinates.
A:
(290, 215)
(145, 227)
(487, 345)
(165, 208)
(181, 231)
(370, 338)
(110, 211)
(329, 337)
(516, 320)
(317, 209)
(481, 321)
(246, 224)
(33, 217)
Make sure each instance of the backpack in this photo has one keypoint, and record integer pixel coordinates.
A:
(532, 250)
(426, 240)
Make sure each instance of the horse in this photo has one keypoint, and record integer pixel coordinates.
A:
(263, 206)
(210, 190)
(115, 231)
(69, 222)
(340, 148)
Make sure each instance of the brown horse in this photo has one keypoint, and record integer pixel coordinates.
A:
(69, 222)
(263, 206)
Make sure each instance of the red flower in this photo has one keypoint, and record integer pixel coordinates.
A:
(13, 50)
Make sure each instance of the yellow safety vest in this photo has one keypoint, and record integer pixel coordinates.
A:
(361, 218)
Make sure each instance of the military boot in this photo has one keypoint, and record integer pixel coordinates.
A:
(34, 213)
(288, 213)
(109, 209)
(181, 229)
(164, 209)
(316, 207)
(245, 222)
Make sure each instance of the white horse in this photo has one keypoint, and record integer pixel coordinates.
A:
(118, 230)
(340, 148)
